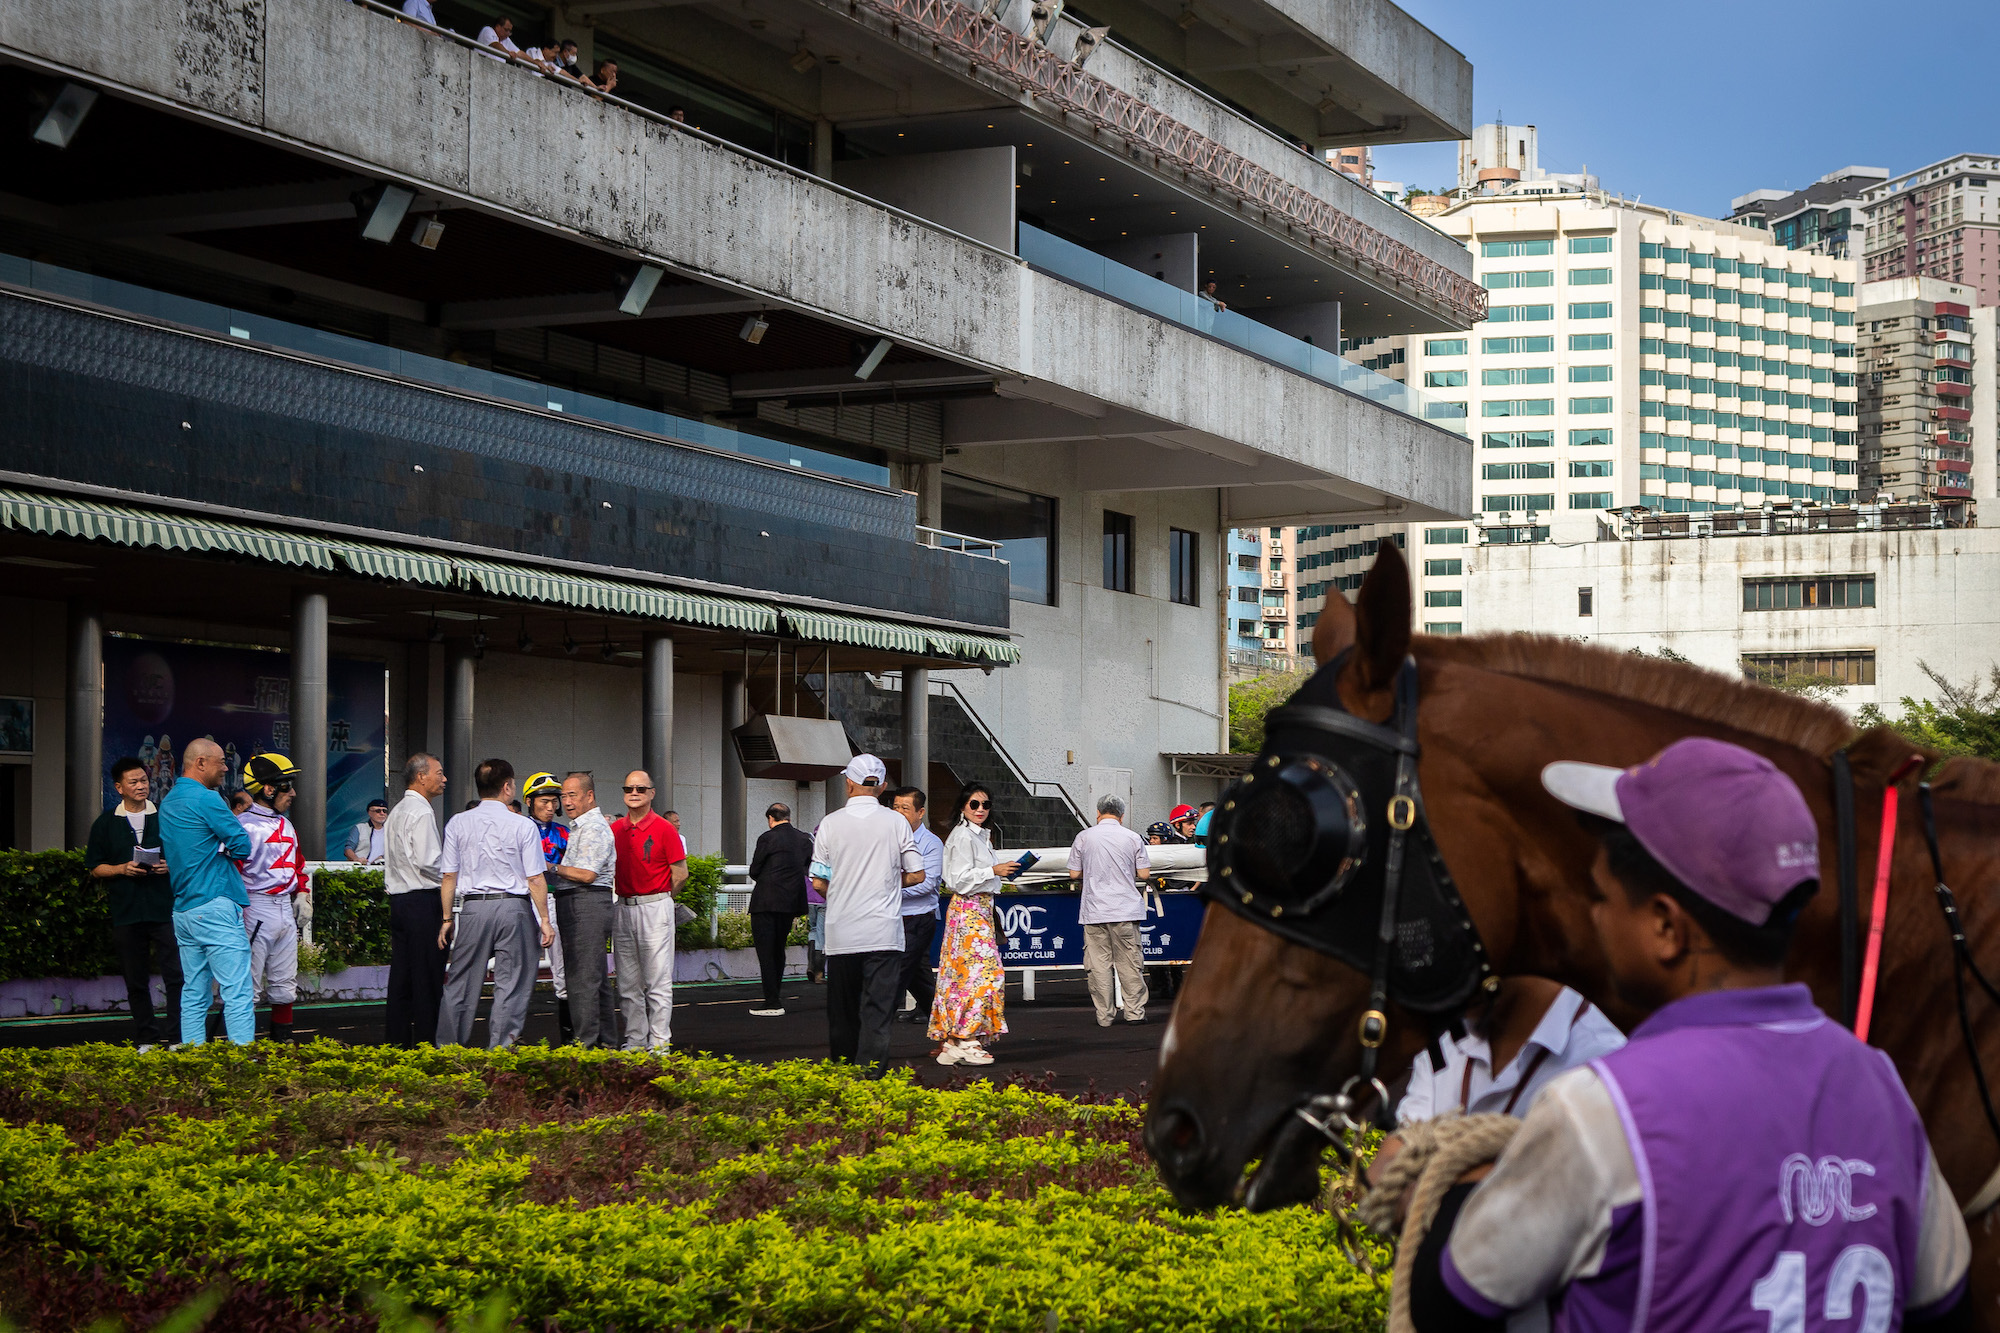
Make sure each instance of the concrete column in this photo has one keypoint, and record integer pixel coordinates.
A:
(85, 723)
(822, 162)
(917, 728)
(460, 674)
(735, 786)
(309, 632)
(657, 741)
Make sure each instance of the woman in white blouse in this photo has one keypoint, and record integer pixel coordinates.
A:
(971, 988)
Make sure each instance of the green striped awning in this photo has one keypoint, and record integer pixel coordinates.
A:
(630, 599)
(67, 516)
(977, 647)
(397, 565)
(827, 627)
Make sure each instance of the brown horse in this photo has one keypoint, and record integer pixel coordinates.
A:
(1261, 1024)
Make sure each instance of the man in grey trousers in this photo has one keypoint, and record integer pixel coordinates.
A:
(583, 891)
(496, 905)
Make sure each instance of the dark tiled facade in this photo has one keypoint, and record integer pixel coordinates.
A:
(110, 402)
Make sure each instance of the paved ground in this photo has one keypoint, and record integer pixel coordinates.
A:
(1056, 1036)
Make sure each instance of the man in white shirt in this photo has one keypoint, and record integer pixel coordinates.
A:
(420, 10)
(583, 889)
(498, 36)
(365, 841)
(863, 858)
(410, 874)
(492, 870)
(1107, 861)
(1533, 1030)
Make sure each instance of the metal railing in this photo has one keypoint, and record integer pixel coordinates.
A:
(978, 547)
(959, 30)
(1035, 786)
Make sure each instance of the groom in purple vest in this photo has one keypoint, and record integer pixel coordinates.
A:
(1743, 1165)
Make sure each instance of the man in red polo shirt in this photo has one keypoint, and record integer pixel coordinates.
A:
(652, 863)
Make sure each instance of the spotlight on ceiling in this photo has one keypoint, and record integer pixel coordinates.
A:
(873, 358)
(1087, 42)
(639, 289)
(382, 210)
(65, 115)
(1042, 15)
(429, 231)
(754, 329)
(803, 60)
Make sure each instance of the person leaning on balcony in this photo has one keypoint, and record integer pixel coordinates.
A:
(1211, 295)
(411, 876)
(141, 897)
(203, 842)
(498, 35)
(420, 10)
(606, 78)
(971, 985)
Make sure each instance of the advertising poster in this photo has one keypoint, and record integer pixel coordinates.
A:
(1041, 930)
(159, 695)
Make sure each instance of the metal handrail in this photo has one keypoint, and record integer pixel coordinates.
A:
(979, 548)
(1034, 785)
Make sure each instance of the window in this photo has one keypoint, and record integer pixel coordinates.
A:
(1534, 277)
(1519, 407)
(1582, 598)
(1517, 471)
(1589, 407)
(1786, 594)
(1247, 628)
(1443, 568)
(1590, 277)
(1444, 597)
(1444, 347)
(1444, 536)
(1518, 439)
(1590, 435)
(1117, 551)
(1247, 562)
(1277, 563)
(1496, 504)
(1023, 524)
(1590, 374)
(1184, 566)
(1590, 245)
(1515, 249)
(1590, 467)
(1590, 500)
(1518, 346)
(1589, 342)
(1590, 310)
(1246, 594)
(1854, 667)
(1277, 532)
(1444, 379)
(1521, 314)
(1444, 627)
(1519, 375)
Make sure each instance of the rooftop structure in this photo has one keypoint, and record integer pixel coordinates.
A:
(1941, 221)
(1825, 218)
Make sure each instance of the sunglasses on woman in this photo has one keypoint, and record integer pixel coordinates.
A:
(979, 805)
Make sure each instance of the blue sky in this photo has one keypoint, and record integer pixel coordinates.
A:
(1692, 105)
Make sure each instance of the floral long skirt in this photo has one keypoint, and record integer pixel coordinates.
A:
(971, 991)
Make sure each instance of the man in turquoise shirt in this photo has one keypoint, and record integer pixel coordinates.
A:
(203, 842)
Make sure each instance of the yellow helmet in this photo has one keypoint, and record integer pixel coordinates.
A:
(270, 769)
(540, 784)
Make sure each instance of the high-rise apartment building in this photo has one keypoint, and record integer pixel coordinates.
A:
(1941, 221)
(1506, 159)
(1921, 363)
(1828, 217)
(1630, 356)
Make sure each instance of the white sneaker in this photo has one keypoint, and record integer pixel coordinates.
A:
(767, 1013)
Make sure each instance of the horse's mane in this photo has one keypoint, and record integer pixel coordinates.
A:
(1680, 687)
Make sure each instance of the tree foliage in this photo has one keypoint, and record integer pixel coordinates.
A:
(1963, 719)
(1251, 700)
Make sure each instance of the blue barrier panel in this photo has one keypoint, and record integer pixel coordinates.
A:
(1041, 929)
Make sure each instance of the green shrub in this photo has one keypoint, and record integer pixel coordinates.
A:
(594, 1190)
(351, 918)
(54, 920)
(698, 895)
(732, 931)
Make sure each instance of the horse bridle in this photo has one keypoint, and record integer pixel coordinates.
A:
(1421, 948)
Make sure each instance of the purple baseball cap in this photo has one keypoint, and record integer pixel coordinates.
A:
(1724, 821)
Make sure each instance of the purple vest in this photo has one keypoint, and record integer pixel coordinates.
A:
(1783, 1170)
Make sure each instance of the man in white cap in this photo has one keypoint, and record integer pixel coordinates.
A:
(863, 857)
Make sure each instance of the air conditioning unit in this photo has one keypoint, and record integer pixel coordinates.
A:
(802, 748)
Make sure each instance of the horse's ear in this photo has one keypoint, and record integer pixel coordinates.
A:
(1333, 632)
(1382, 613)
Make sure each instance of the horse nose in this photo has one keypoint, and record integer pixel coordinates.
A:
(1176, 1141)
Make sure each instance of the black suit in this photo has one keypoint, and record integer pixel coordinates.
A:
(778, 869)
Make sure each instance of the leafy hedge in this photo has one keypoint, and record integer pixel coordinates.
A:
(597, 1190)
(351, 918)
(54, 920)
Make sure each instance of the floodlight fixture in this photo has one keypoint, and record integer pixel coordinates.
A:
(383, 211)
(1087, 43)
(639, 291)
(803, 60)
(427, 233)
(1042, 15)
(873, 358)
(65, 115)
(754, 329)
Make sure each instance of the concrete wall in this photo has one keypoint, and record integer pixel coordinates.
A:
(971, 191)
(1112, 679)
(35, 666)
(344, 84)
(1933, 600)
